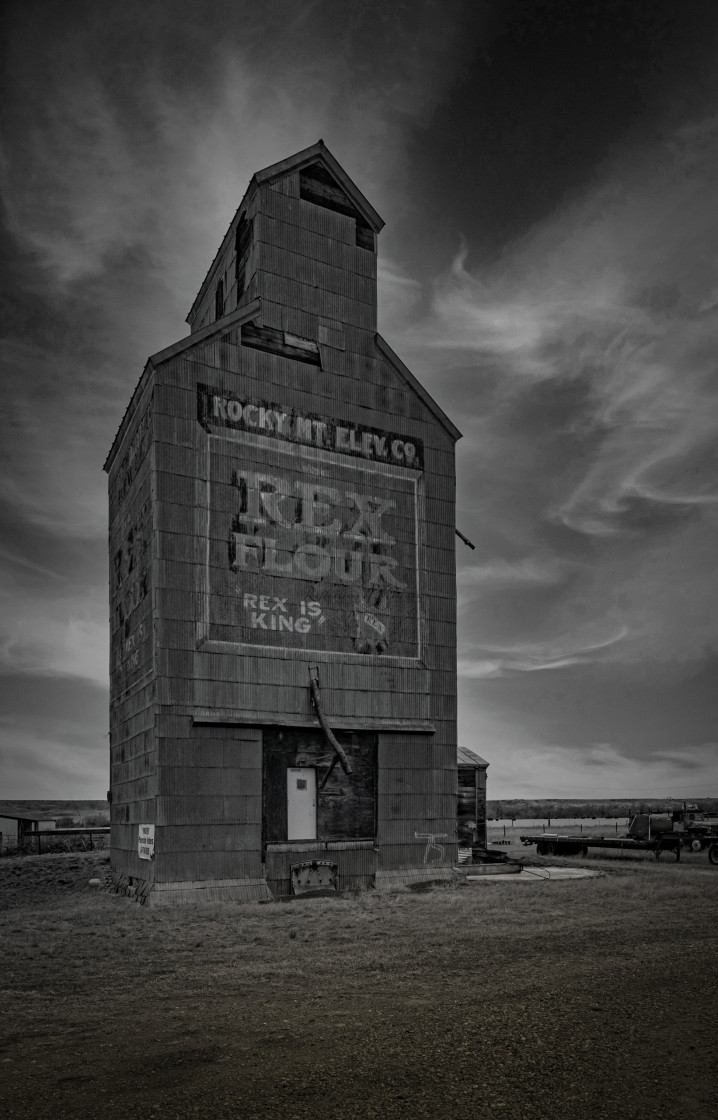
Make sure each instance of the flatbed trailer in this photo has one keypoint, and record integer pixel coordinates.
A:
(573, 844)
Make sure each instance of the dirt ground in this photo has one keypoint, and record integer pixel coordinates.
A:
(554, 1001)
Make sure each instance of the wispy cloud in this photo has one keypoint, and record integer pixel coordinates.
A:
(585, 769)
(508, 573)
(616, 292)
(118, 182)
(498, 661)
(64, 637)
(580, 363)
(42, 759)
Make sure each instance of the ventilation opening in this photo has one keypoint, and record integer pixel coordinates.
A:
(317, 185)
(219, 299)
(282, 343)
(242, 245)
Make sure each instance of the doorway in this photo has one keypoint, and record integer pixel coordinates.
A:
(301, 803)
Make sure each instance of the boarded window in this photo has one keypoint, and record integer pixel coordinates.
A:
(346, 805)
(283, 343)
(317, 185)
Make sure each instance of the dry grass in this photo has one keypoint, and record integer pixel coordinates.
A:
(464, 999)
(73, 943)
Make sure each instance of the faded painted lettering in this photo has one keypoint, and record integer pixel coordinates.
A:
(216, 409)
(311, 553)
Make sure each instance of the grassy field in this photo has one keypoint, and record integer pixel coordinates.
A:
(552, 1001)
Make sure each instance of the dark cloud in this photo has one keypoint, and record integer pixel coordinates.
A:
(547, 172)
(54, 732)
(554, 89)
(579, 706)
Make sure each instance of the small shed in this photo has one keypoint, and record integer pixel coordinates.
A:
(17, 819)
(471, 808)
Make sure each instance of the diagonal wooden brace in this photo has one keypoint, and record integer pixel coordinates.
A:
(329, 771)
(331, 737)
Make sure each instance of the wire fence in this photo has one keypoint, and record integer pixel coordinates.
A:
(583, 825)
(45, 841)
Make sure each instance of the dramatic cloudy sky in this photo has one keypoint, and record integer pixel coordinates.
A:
(548, 173)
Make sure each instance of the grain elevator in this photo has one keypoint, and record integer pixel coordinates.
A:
(282, 575)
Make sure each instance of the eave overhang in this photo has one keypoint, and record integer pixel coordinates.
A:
(220, 327)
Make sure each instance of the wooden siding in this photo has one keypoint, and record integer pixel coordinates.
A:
(209, 802)
(133, 763)
(214, 671)
(356, 863)
(472, 800)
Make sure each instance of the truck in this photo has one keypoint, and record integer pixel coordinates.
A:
(699, 829)
(656, 832)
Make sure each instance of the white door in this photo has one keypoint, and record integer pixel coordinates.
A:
(301, 803)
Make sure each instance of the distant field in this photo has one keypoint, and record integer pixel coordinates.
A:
(544, 1001)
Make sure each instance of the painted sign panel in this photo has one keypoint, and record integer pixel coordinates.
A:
(310, 549)
(146, 841)
(216, 409)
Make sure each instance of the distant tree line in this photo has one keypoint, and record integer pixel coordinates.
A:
(84, 820)
(523, 809)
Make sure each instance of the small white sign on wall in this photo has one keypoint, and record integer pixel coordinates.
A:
(146, 841)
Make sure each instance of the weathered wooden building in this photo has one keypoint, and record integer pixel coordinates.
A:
(283, 651)
(471, 813)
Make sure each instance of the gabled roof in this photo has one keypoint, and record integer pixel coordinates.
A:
(242, 314)
(317, 153)
(415, 385)
(465, 757)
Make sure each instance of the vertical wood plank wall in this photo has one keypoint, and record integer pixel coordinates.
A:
(133, 760)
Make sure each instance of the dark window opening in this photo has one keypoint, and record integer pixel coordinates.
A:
(242, 246)
(243, 236)
(317, 185)
(219, 299)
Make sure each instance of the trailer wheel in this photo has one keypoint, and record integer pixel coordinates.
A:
(713, 855)
(696, 845)
(540, 848)
(549, 849)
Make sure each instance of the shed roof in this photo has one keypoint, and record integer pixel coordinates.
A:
(16, 811)
(465, 757)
